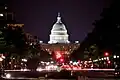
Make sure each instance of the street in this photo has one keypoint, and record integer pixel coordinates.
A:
(64, 75)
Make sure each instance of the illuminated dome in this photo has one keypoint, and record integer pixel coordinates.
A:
(58, 32)
(58, 26)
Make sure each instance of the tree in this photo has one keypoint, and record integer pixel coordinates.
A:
(106, 31)
(33, 61)
(107, 28)
(2, 43)
(14, 37)
(83, 51)
(93, 52)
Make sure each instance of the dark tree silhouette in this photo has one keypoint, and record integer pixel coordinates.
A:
(15, 39)
(33, 62)
(106, 31)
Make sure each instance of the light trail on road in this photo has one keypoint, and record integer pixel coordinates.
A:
(17, 70)
(93, 69)
(68, 70)
(21, 78)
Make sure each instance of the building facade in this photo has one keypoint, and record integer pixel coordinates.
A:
(59, 45)
(59, 32)
(30, 39)
(6, 15)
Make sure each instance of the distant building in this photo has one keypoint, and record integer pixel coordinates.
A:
(15, 26)
(59, 32)
(30, 39)
(6, 15)
(7, 22)
(59, 43)
(7, 18)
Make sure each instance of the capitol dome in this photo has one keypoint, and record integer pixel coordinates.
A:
(58, 26)
(58, 32)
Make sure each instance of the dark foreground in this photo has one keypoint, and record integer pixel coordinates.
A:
(63, 75)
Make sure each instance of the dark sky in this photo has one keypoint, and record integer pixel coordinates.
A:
(39, 15)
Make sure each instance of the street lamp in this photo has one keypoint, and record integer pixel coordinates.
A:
(8, 75)
(114, 56)
(117, 56)
(102, 58)
(24, 60)
(107, 58)
(109, 62)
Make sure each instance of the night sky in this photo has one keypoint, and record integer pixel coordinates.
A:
(39, 15)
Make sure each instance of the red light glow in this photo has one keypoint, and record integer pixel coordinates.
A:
(58, 55)
(106, 53)
(78, 68)
(109, 62)
(61, 60)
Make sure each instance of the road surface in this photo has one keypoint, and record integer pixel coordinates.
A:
(64, 75)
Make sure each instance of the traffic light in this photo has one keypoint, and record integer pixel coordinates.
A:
(106, 54)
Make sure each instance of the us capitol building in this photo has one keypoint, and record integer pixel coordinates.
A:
(59, 40)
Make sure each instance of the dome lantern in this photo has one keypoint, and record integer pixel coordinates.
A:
(58, 18)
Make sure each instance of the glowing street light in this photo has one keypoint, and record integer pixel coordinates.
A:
(71, 62)
(114, 56)
(61, 60)
(117, 56)
(1, 14)
(24, 60)
(107, 58)
(51, 62)
(74, 63)
(8, 75)
(102, 58)
(1, 59)
(109, 62)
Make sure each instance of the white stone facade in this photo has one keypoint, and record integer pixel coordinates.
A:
(59, 33)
